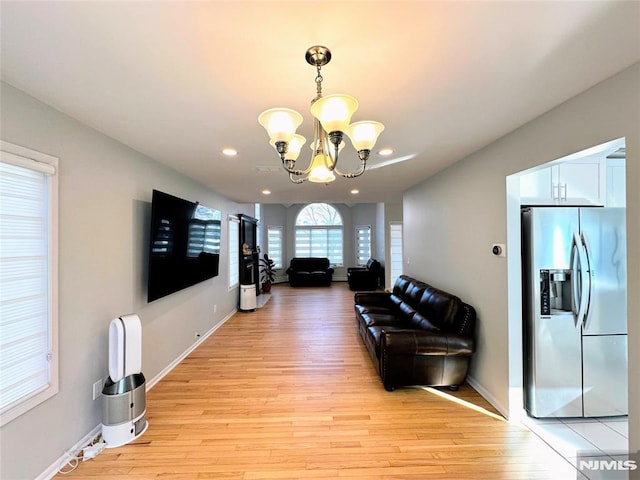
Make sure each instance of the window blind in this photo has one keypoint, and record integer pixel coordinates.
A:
(363, 244)
(395, 234)
(234, 251)
(274, 245)
(25, 349)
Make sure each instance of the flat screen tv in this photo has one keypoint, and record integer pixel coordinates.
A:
(184, 246)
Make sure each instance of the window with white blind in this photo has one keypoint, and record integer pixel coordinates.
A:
(234, 251)
(274, 245)
(319, 233)
(28, 273)
(363, 244)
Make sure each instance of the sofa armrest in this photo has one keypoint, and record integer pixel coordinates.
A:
(373, 298)
(418, 342)
(359, 273)
(357, 269)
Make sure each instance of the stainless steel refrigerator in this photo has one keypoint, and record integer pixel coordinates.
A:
(574, 311)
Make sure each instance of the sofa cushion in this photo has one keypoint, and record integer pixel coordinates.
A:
(413, 293)
(405, 313)
(420, 322)
(363, 309)
(402, 282)
(379, 319)
(445, 311)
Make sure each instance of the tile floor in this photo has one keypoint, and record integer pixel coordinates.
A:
(586, 438)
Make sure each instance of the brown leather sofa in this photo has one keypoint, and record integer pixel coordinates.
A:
(417, 334)
(309, 272)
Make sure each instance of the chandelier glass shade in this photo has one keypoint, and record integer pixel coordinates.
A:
(332, 121)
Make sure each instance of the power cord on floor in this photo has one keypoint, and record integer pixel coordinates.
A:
(95, 447)
(72, 463)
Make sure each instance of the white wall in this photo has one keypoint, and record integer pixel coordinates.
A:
(451, 220)
(105, 195)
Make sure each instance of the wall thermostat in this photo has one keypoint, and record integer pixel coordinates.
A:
(498, 249)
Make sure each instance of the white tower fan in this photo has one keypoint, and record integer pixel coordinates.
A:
(124, 395)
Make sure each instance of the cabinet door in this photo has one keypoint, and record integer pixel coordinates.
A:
(536, 185)
(577, 180)
(616, 183)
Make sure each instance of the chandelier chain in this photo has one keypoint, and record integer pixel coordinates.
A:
(318, 83)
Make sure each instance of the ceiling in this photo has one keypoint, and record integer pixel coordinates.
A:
(178, 81)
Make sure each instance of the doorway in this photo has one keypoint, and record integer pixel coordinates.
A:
(595, 176)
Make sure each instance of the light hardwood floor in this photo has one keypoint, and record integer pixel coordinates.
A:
(289, 392)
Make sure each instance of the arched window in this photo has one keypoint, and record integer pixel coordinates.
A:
(319, 233)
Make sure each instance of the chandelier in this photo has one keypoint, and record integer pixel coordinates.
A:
(332, 116)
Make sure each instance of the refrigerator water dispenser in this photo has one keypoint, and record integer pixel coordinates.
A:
(555, 291)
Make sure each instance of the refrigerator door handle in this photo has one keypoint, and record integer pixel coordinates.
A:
(586, 274)
(584, 279)
(581, 281)
(575, 281)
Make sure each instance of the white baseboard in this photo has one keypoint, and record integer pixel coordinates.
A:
(488, 396)
(151, 383)
(54, 468)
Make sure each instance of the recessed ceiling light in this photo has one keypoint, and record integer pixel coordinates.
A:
(385, 151)
(355, 191)
(266, 192)
(229, 152)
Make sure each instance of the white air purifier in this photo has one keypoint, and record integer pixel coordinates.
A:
(248, 302)
(124, 394)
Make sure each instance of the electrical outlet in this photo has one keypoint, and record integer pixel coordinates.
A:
(97, 389)
(215, 307)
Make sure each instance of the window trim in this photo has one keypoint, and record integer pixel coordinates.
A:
(234, 252)
(42, 162)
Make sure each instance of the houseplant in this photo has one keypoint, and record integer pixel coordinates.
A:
(267, 272)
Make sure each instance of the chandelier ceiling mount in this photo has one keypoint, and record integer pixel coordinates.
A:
(332, 116)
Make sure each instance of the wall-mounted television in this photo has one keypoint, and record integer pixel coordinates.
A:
(184, 246)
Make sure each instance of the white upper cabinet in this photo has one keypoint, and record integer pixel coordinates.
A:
(576, 182)
(595, 176)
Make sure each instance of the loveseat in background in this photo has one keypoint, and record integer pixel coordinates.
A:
(310, 272)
